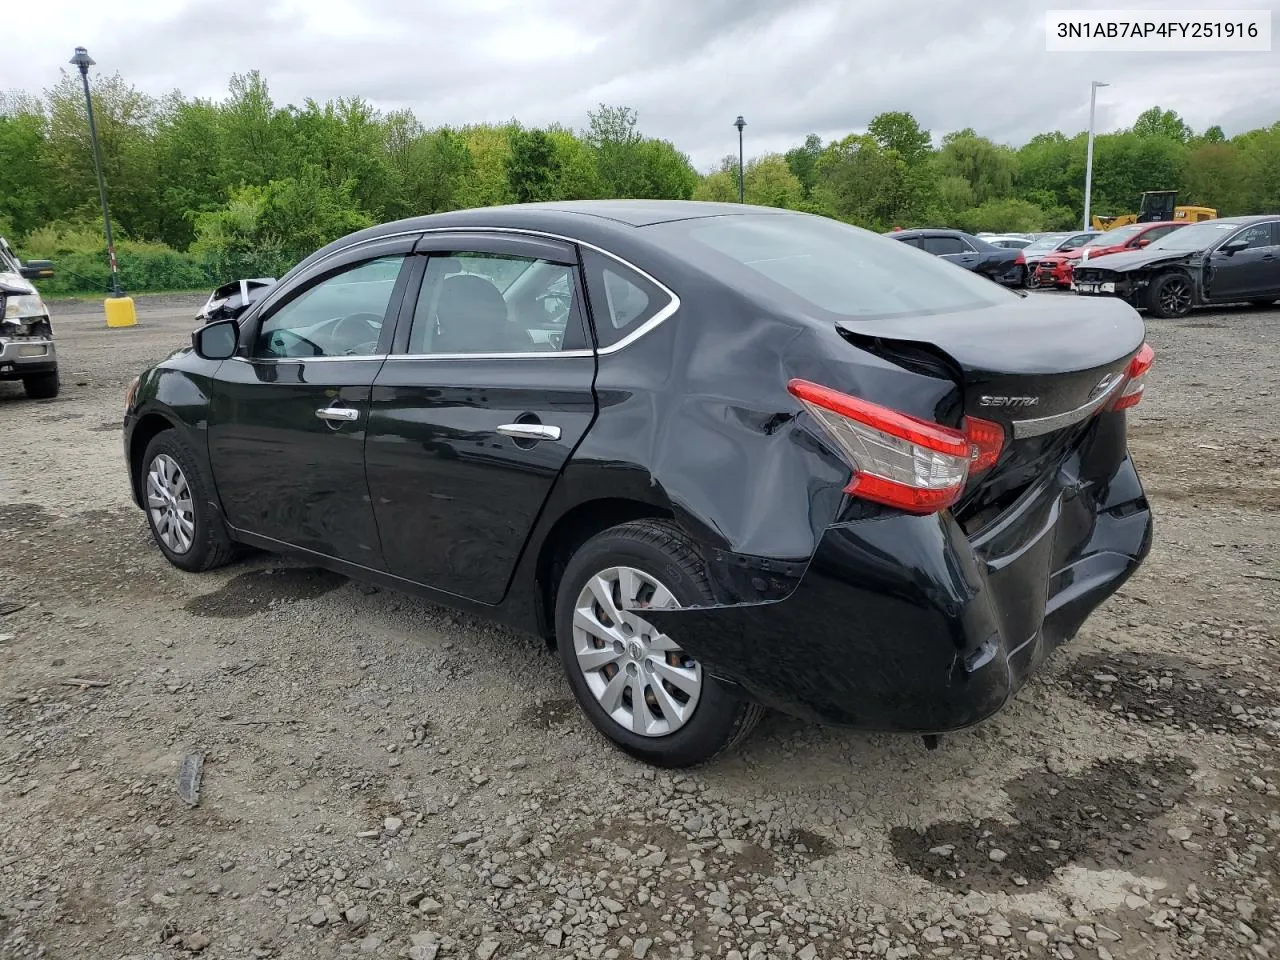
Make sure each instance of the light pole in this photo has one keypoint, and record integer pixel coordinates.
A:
(1088, 162)
(742, 186)
(84, 62)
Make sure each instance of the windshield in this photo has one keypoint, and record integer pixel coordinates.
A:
(1195, 236)
(1045, 244)
(807, 262)
(1117, 236)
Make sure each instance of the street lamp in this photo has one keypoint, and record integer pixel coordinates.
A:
(740, 123)
(84, 62)
(1088, 163)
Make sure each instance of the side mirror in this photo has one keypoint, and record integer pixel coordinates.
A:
(1142, 243)
(1235, 246)
(37, 269)
(216, 340)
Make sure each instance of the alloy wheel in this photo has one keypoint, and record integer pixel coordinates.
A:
(169, 504)
(1175, 298)
(639, 675)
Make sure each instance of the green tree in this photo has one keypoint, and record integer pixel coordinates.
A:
(896, 130)
(1155, 122)
(991, 170)
(855, 179)
(770, 183)
(802, 159)
(533, 167)
(719, 186)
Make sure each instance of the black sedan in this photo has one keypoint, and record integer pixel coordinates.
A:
(1232, 260)
(723, 458)
(1000, 264)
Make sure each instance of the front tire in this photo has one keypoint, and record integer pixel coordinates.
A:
(637, 686)
(41, 386)
(1170, 296)
(176, 497)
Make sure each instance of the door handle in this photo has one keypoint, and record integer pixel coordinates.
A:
(338, 414)
(530, 431)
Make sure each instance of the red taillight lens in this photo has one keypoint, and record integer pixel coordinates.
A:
(897, 459)
(986, 440)
(1020, 258)
(1131, 395)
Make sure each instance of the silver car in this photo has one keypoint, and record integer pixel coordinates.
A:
(27, 350)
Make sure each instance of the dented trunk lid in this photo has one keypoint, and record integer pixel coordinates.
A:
(1041, 366)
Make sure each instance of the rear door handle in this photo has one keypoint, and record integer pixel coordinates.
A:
(530, 431)
(338, 414)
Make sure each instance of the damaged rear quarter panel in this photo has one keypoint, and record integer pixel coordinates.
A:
(699, 407)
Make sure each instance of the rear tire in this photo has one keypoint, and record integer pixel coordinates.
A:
(1170, 296)
(41, 386)
(176, 496)
(621, 671)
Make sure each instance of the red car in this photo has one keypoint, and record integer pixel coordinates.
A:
(1054, 270)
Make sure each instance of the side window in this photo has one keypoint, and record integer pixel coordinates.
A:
(1152, 235)
(341, 316)
(943, 246)
(491, 303)
(1275, 233)
(1258, 235)
(622, 301)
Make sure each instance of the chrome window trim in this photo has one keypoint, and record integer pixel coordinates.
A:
(360, 357)
(648, 326)
(1042, 425)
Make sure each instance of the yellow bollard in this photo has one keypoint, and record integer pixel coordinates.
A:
(120, 312)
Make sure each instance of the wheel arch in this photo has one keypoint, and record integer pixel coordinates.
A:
(149, 426)
(571, 529)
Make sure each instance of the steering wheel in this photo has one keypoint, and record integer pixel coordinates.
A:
(361, 330)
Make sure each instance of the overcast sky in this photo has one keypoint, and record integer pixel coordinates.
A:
(688, 67)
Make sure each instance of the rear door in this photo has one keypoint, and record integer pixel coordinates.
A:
(953, 248)
(487, 392)
(288, 414)
(1248, 273)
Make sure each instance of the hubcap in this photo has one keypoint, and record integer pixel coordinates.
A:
(169, 504)
(646, 683)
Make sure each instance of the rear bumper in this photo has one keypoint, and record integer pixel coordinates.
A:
(903, 624)
(27, 357)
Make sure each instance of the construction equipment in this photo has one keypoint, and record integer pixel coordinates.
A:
(1156, 206)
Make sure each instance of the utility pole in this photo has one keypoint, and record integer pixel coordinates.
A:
(1088, 163)
(742, 184)
(84, 62)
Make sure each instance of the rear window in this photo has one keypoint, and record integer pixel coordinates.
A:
(812, 262)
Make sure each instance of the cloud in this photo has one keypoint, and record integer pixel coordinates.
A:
(791, 68)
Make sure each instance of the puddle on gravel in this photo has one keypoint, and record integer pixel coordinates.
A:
(1166, 690)
(547, 714)
(806, 843)
(107, 426)
(255, 591)
(16, 516)
(1102, 817)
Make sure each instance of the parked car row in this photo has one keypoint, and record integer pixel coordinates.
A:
(1231, 260)
(1055, 269)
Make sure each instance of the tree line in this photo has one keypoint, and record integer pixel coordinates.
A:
(206, 190)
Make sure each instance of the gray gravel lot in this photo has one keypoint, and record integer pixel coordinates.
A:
(386, 778)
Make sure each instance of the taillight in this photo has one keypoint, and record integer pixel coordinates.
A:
(1020, 258)
(986, 440)
(1136, 377)
(897, 459)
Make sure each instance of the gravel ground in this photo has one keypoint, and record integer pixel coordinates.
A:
(386, 778)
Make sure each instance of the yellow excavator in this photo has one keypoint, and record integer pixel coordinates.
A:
(1157, 205)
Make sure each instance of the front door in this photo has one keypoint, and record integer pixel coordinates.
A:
(487, 392)
(288, 416)
(954, 249)
(1246, 273)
